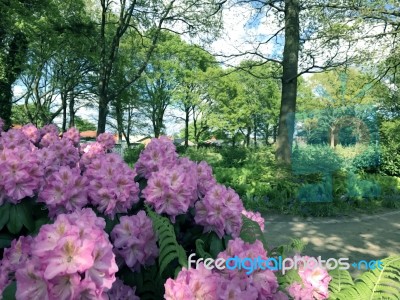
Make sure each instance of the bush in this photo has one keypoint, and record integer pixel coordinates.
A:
(131, 154)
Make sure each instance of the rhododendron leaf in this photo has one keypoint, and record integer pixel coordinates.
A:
(14, 224)
(9, 291)
(5, 240)
(26, 216)
(216, 245)
(251, 232)
(39, 223)
(4, 214)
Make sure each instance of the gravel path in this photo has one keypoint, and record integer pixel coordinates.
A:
(364, 237)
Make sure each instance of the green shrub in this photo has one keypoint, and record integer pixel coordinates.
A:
(390, 147)
(234, 156)
(131, 155)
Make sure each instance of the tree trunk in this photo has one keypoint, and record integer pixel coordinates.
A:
(118, 112)
(266, 134)
(103, 111)
(289, 82)
(332, 136)
(187, 115)
(72, 111)
(248, 135)
(255, 133)
(14, 60)
(64, 111)
(5, 102)
(274, 134)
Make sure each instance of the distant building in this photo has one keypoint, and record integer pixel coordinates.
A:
(181, 142)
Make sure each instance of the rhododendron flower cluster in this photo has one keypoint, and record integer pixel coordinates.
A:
(64, 191)
(111, 188)
(221, 211)
(31, 132)
(171, 190)
(159, 153)
(72, 134)
(20, 174)
(69, 259)
(14, 258)
(205, 180)
(256, 217)
(14, 138)
(202, 283)
(120, 291)
(315, 280)
(106, 140)
(135, 241)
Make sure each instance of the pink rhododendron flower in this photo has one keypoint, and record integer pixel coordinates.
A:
(135, 241)
(49, 139)
(15, 138)
(31, 132)
(20, 174)
(256, 217)
(106, 140)
(220, 211)
(197, 283)
(171, 191)
(50, 128)
(206, 179)
(90, 152)
(72, 134)
(159, 153)
(112, 188)
(64, 191)
(315, 280)
(122, 292)
(70, 259)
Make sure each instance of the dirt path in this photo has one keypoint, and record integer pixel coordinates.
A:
(363, 237)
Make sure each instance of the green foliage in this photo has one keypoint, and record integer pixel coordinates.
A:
(17, 216)
(251, 232)
(376, 284)
(341, 279)
(170, 250)
(234, 156)
(200, 249)
(315, 160)
(83, 124)
(131, 154)
(148, 282)
(390, 147)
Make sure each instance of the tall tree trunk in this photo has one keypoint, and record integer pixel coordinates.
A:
(64, 111)
(118, 112)
(266, 134)
(5, 102)
(289, 81)
(14, 60)
(274, 134)
(72, 111)
(187, 115)
(248, 135)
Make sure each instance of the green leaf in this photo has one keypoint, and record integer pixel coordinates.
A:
(14, 224)
(5, 240)
(168, 245)
(341, 279)
(26, 216)
(4, 214)
(200, 249)
(376, 284)
(252, 232)
(216, 245)
(9, 292)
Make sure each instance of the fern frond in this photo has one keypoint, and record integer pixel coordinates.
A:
(168, 245)
(341, 279)
(251, 232)
(376, 284)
